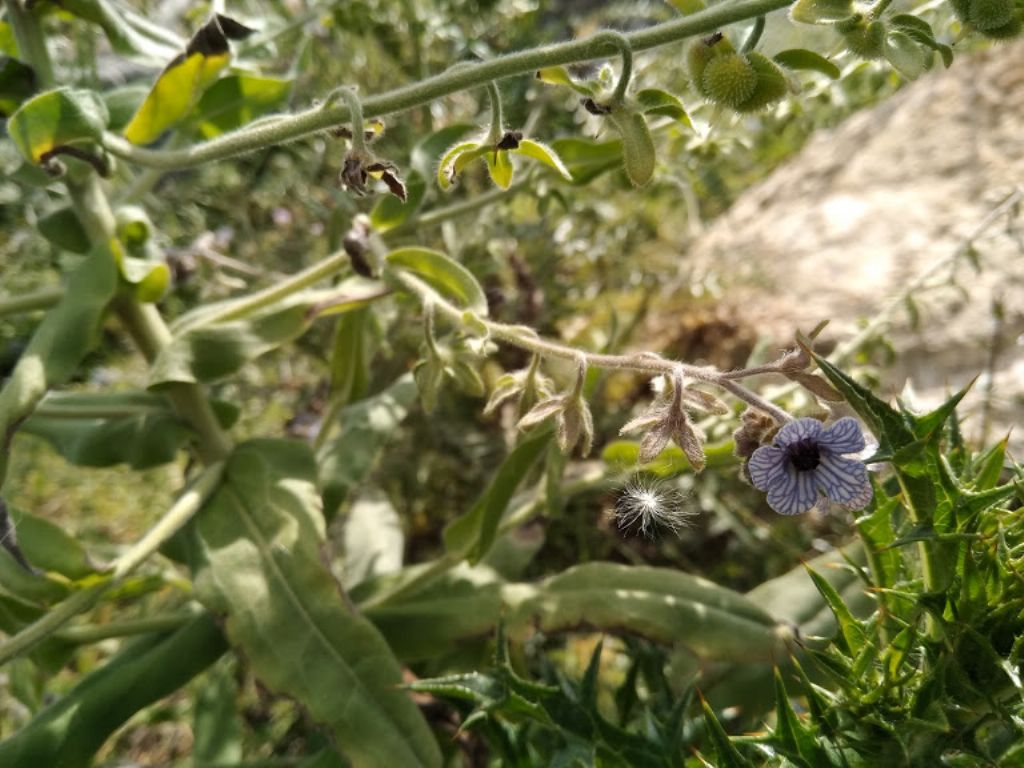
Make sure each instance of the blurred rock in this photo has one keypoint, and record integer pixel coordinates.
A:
(865, 208)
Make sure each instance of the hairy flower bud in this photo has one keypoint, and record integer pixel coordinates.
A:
(729, 80)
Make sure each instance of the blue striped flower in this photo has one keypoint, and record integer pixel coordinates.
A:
(807, 460)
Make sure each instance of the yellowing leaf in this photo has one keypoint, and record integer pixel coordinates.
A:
(183, 81)
(446, 169)
(500, 167)
(544, 154)
(57, 118)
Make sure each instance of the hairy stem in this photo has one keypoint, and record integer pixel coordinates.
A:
(625, 49)
(453, 80)
(30, 302)
(643, 362)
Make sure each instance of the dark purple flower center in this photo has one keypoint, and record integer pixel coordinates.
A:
(804, 454)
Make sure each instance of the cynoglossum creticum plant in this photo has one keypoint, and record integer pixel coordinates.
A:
(244, 541)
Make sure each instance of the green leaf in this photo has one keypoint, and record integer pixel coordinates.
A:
(182, 83)
(499, 166)
(365, 429)
(71, 730)
(390, 212)
(663, 605)
(930, 424)
(544, 154)
(887, 424)
(989, 466)
(794, 599)
(587, 159)
(801, 58)
(461, 606)
(821, 11)
(237, 100)
(257, 560)
(129, 34)
(472, 535)
(57, 118)
(443, 274)
(217, 726)
(727, 754)
(62, 228)
(625, 454)
(122, 104)
(17, 83)
(796, 740)
(62, 339)
(920, 31)
(454, 159)
(353, 348)
(654, 101)
(372, 539)
(562, 76)
(905, 55)
(213, 341)
(851, 631)
(424, 155)
(50, 548)
(147, 438)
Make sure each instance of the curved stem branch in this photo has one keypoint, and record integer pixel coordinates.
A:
(625, 49)
(355, 111)
(453, 80)
(755, 35)
(497, 119)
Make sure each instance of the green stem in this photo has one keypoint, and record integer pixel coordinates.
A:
(755, 35)
(93, 633)
(497, 119)
(526, 338)
(453, 80)
(31, 43)
(30, 302)
(625, 49)
(355, 110)
(78, 602)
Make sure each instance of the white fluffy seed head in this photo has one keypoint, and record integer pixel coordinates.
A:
(648, 502)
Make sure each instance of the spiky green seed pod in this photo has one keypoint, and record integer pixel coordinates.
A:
(865, 40)
(771, 85)
(990, 14)
(1009, 30)
(729, 80)
(697, 58)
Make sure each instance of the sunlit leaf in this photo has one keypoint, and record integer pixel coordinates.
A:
(544, 154)
(448, 168)
(55, 119)
(257, 561)
(801, 58)
(654, 101)
(905, 55)
(562, 76)
(499, 166)
(445, 275)
(183, 81)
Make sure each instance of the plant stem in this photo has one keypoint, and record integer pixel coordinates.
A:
(497, 119)
(755, 35)
(644, 362)
(453, 80)
(94, 633)
(30, 302)
(31, 43)
(621, 42)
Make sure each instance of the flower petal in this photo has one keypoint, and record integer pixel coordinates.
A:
(795, 431)
(845, 436)
(795, 492)
(845, 481)
(767, 465)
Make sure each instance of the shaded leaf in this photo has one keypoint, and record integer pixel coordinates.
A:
(237, 100)
(905, 55)
(372, 539)
(257, 561)
(217, 724)
(390, 212)
(365, 428)
(62, 228)
(17, 83)
(586, 159)
(70, 731)
(471, 535)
